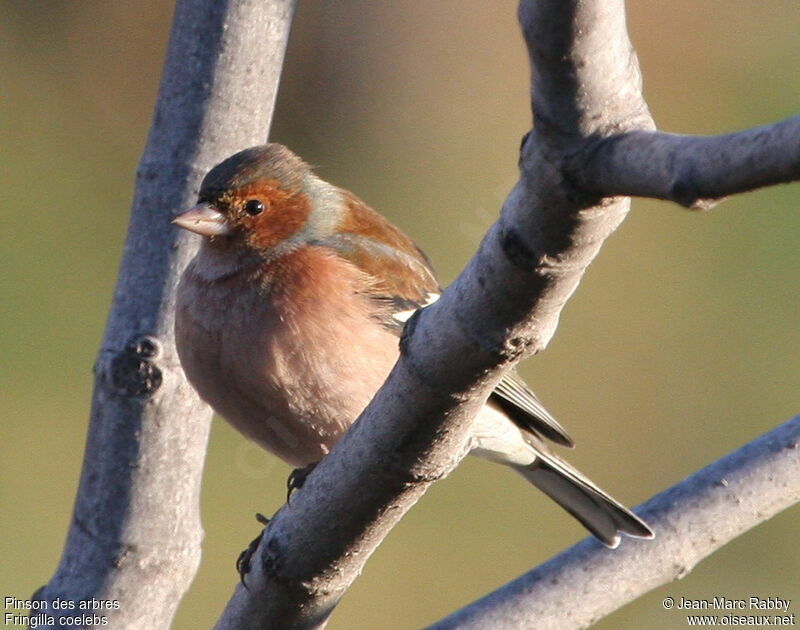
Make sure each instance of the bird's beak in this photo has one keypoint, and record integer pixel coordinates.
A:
(203, 219)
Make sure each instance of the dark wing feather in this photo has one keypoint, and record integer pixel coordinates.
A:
(526, 410)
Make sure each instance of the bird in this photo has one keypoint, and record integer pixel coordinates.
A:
(288, 319)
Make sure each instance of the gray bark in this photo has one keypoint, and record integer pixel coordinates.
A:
(135, 532)
(696, 172)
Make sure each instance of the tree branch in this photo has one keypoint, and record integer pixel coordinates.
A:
(693, 519)
(696, 172)
(135, 532)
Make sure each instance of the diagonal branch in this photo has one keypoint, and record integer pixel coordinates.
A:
(135, 532)
(693, 519)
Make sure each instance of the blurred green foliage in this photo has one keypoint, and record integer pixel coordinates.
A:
(681, 343)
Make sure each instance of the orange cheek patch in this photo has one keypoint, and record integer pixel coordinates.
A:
(287, 212)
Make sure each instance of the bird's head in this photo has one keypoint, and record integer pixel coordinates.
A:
(258, 198)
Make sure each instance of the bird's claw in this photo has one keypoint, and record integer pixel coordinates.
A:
(244, 559)
(297, 478)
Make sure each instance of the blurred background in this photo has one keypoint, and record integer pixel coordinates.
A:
(680, 345)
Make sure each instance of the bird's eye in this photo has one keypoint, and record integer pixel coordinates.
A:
(253, 207)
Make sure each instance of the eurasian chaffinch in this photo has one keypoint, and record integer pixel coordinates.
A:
(288, 321)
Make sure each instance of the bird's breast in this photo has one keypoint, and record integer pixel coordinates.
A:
(289, 354)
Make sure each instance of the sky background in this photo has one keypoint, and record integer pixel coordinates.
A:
(680, 344)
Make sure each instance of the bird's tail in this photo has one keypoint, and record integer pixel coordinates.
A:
(600, 513)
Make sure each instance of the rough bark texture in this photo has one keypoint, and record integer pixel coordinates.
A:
(135, 532)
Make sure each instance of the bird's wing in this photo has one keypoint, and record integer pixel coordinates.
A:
(403, 281)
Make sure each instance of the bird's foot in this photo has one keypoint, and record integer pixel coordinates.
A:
(243, 561)
(297, 478)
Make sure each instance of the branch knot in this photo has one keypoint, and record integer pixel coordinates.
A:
(133, 371)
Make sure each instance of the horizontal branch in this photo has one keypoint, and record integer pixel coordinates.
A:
(694, 171)
(691, 519)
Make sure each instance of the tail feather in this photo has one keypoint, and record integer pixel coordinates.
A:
(524, 448)
(598, 512)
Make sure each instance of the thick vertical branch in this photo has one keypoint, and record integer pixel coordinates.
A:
(135, 533)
